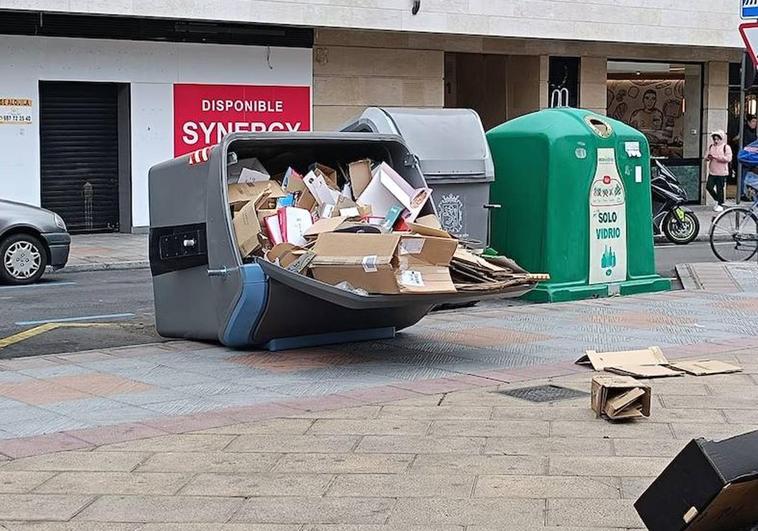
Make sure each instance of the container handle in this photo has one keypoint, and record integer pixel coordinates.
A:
(223, 272)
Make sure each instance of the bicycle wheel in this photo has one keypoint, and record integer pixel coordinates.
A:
(734, 235)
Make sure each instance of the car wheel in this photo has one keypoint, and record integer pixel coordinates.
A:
(22, 259)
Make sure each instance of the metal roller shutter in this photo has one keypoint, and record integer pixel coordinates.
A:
(79, 154)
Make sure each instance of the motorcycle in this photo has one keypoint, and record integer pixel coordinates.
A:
(678, 224)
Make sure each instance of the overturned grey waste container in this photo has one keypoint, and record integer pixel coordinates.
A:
(453, 155)
(202, 287)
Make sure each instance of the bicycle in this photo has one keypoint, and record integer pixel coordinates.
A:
(734, 233)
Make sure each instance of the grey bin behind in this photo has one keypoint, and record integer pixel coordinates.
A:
(452, 153)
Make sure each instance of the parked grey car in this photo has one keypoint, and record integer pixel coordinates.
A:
(31, 238)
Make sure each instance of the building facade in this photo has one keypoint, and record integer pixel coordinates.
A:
(97, 92)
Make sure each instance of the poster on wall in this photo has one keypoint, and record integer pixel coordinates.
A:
(655, 107)
(607, 222)
(204, 114)
(15, 111)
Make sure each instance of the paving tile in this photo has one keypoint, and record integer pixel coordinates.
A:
(153, 396)
(369, 427)
(479, 464)
(381, 527)
(420, 400)
(28, 446)
(380, 394)
(193, 509)
(143, 483)
(680, 386)
(604, 429)
(406, 485)
(544, 413)
(189, 423)
(36, 507)
(185, 442)
(482, 399)
(741, 416)
(546, 487)
(121, 432)
(606, 466)
(315, 510)
(39, 392)
(293, 443)
(648, 447)
(248, 485)
(437, 412)
(343, 463)
(102, 384)
(359, 412)
(490, 428)
(186, 406)
(502, 513)
(19, 482)
(687, 431)
(41, 426)
(547, 446)
(220, 527)
(707, 402)
(554, 528)
(199, 462)
(288, 426)
(113, 415)
(597, 513)
(80, 461)
(70, 526)
(398, 444)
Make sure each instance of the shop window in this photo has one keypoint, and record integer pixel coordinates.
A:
(664, 102)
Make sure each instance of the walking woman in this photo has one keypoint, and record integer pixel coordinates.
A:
(719, 156)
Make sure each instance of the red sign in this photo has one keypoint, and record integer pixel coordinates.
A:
(204, 114)
(749, 32)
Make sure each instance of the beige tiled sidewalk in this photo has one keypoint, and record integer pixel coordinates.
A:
(474, 460)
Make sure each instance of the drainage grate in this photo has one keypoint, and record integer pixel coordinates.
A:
(544, 393)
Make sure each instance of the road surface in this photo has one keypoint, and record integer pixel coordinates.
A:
(113, 308)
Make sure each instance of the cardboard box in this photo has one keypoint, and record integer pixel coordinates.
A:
(293, 222)
(706, 367)
(360, 176)
(321, 188)
(620, 397)
(235, 170)
(387, 188)
(241, 193)
(709, 486)
(645, 363)
(247, 228)
(324, 225)
(429, 225)
(384, 263)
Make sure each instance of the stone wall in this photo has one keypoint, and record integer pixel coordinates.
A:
(692, 23)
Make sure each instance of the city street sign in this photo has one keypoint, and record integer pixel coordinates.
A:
(749, 9)
(749, 34)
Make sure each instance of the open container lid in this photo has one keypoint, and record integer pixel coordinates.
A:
(449, 143)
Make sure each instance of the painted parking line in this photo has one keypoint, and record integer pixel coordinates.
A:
(75, 319)
(42, 285)
(27, 334)
(47, 327)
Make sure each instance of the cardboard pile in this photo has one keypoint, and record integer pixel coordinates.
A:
(358, 227)
(651, 363)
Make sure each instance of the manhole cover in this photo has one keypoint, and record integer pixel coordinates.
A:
(544, 393)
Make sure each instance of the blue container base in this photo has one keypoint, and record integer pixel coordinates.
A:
(289, 343)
